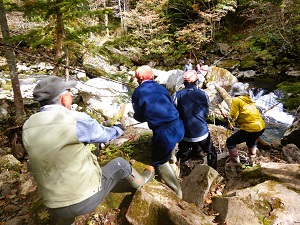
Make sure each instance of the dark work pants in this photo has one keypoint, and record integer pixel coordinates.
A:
(206, 145)
(164, 141)
(243, 136)
(114, 171)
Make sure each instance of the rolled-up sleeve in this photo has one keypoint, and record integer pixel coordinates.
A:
(88, 130)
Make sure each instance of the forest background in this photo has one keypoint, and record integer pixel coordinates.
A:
(261, 35)
(246, 34)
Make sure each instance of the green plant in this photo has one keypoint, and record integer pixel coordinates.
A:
(291, 92)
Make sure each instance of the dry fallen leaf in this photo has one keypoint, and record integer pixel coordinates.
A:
(208, 201)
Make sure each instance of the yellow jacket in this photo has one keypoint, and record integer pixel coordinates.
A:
(247, 116)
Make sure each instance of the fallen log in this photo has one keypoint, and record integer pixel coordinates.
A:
(224, 94)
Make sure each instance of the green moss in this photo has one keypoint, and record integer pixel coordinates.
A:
(155, 215)
(253, 173)
(230, 64)
(248, 62)
(42, 72)
(113, 200)
(7, 86)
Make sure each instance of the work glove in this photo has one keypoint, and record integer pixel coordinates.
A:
(120, 126)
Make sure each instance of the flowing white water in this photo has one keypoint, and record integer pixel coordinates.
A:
(271, 107)
(276, 118)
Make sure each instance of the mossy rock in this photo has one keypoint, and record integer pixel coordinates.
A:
(92, 71)
(9, 162)
(229, 64)
(4, 68)
(7, 86)
(248, 63)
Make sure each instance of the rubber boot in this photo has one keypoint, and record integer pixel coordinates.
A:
(234, 155)
(212, 160)
(137, 180)
(252, 155)
(166, 172)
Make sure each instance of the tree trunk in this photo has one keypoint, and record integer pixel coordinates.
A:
(67, 63)
(18, 100)
(14, 134)
(121, 13)
(59, 38)
(106, 20)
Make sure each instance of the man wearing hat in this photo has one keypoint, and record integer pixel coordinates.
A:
(192, 104)
(152, 104)
(68, 175)
(251, 125)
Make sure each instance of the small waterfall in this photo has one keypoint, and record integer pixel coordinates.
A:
(271, 108)
(277, 120)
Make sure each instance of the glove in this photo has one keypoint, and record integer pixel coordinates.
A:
(120, 126)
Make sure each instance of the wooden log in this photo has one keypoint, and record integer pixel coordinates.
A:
(230, 126)
(224, 94)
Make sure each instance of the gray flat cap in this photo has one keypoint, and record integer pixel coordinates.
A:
(51, 87)
(239, 89)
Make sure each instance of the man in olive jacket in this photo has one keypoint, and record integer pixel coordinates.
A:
(68, 175)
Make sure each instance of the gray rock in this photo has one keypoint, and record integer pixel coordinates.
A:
(291, 153)
(196, 186)
(156, 204)
(269, 202)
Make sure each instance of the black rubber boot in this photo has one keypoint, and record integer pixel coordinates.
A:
(212, 160)
(166, 172)
(137, 180)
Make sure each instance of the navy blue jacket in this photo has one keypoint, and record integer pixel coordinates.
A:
(193, 107)
(152, 103)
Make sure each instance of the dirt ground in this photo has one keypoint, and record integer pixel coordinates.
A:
(16, 207)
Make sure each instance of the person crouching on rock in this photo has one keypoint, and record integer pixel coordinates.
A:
(251, 125)
(67, 173)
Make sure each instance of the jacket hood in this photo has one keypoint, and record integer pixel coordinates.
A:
(246, 98)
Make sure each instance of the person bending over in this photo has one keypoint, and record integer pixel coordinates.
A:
(192, 104)
(152, 104)
(67, 173)
(251, 125)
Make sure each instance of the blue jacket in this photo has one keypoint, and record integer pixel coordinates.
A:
(152, 103)
(193, 107)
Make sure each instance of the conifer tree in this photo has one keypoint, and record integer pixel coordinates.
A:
(68, 24)
(18, 101)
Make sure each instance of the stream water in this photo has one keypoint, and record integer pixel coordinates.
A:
(265, 96)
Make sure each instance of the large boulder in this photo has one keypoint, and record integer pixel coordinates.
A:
(267, 203)
(197, 185)
(156, 204)
(293, 133)
(265, 194)
(103, 99)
